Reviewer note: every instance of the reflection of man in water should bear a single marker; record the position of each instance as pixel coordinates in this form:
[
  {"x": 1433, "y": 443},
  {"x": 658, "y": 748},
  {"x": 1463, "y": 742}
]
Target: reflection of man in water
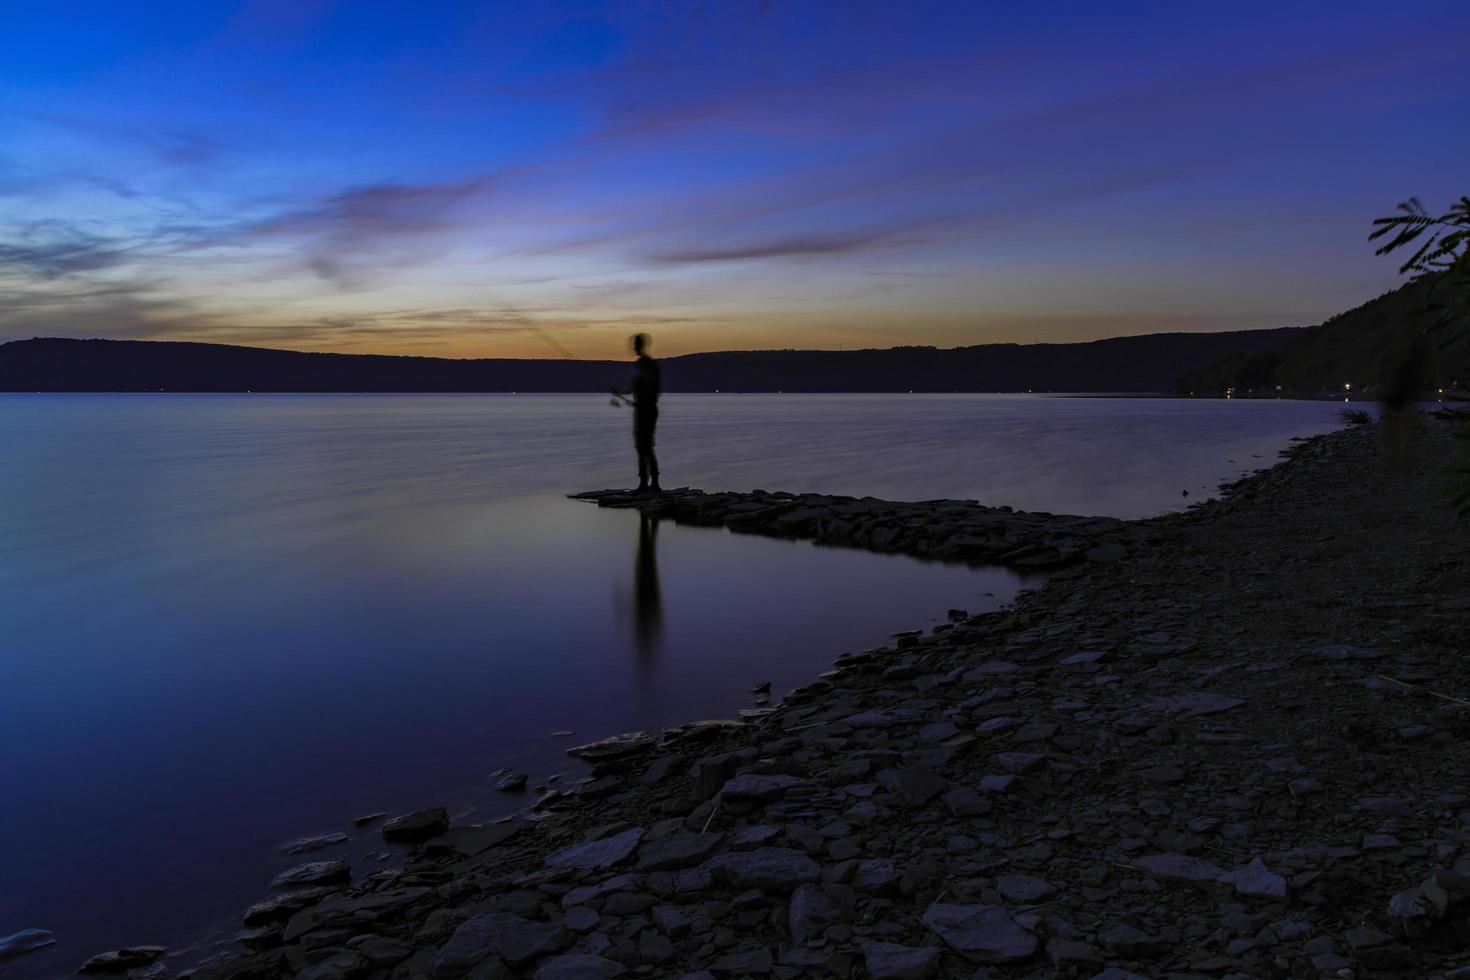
[
  {"x": 648, "y": 608},
  {"x": 645, "y": 391}
]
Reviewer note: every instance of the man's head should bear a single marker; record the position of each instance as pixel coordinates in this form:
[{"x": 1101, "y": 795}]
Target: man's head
[{"x": 640, "y": 344}]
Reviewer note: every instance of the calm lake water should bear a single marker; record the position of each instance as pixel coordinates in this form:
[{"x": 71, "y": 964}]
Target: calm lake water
[{"x": 231, "y": 620}]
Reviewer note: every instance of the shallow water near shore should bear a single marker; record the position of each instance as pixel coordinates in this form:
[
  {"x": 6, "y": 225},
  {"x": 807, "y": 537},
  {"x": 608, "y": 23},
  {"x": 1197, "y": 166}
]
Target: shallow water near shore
[{"x": 232, "y": 620}]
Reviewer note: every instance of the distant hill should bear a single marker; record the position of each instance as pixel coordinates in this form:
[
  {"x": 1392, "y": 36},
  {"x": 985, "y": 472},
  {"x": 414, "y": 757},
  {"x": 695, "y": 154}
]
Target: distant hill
[
  {"x": 1149, "y": 363},
  {"x": 1361, "y": 347}
]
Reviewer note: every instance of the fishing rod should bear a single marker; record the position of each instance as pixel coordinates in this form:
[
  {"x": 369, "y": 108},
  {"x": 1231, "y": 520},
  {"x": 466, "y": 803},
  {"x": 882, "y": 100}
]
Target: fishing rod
[{"x": 515, "y": 316}]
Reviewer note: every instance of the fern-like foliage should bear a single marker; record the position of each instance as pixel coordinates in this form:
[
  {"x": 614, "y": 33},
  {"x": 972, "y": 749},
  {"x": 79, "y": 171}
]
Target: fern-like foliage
[
  {"x": 1442, "y": 254},
  {"x": 1444, "y": 258}
]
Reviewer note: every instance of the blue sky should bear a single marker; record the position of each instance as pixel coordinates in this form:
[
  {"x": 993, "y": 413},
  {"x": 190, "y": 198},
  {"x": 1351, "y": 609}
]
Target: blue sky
[{"x": 429, "y": 178}]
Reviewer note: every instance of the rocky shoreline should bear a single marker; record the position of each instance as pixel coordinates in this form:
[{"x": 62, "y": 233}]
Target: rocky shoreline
[{"x": 1231, "y": 744}]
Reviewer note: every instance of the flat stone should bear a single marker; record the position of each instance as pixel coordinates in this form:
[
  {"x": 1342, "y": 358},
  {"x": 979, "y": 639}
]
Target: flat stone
[
  {"x": 1256, "y": 881},
  {"x": 965, "y": 802},
  {"x": 508, "y": 780},
  {"x": 614, "y": 746},
  {"x": 510, "y": 937},
  {"x": 767, "y": 868},
  {"x": 679, "y": 850},
  {"x": 24, "y": 942},
  {"x": 983, "y": 933},
  {"x": 916, "y": 786},
  {"x": 602, "y": 853},
  {"x": 890, "y": 961},
  {"x": 381, "y": 949},
  {"x": 1179, "y": 867},
  {"x": 1162, "y": 775},
  {"x": 417, "y": 826},
  {"x": 875, "y": 874},
  {"x": 1020, "y": 762},
  {"x": 759, "y": 787},
  {"x": 741, "y": 962},
  {"x": 314, "y": 873},
  {"x": 578, "y": 966},
  {"x": 303, "y": 845},
  {"x": 589, "y": 893},
  {"x": 1111, "y": 551},
  {"x": 1127, "y": 940},
  {"x": 122, "y": 960},
  {"x": 812, "y": 911},
  {"x": 1196, "y": 704},
  {"x": 1085, "y": 657},
  {"x": 1024, "y": 889},
  {"x": 998, "y": 783},
  {"x": 1067, "y": 954},
  {"x": 580, "y": 918},
  {"x": 340, "y": 966}
]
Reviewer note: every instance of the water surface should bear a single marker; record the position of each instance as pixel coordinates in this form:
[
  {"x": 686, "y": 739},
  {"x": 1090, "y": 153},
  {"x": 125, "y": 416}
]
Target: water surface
[{"x": 231, "y": 620}]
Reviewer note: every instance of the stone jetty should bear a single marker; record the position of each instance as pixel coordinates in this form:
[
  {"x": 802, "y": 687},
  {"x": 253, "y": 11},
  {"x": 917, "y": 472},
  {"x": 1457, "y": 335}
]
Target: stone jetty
[
  {"x": 1234, "y": 744},
  {"x": 950, "y": 530}
]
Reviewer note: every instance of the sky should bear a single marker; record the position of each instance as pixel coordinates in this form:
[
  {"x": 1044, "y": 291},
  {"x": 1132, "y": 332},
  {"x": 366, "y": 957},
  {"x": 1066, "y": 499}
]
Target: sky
[{"x": 469, "y": 179}]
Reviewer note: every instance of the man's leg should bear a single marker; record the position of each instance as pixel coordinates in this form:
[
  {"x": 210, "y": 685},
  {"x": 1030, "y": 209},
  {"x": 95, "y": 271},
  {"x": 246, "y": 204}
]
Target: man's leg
[{"x": 641, "y": 447}]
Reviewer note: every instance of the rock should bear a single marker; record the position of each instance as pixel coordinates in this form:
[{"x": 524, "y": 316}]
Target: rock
[
  {"x": 602, "y": 853},
  {"x": 589, "y": 893},
  {"x": 767, "y": 868},
  {"x": 508, "y": 780},
  {"x": 24, "y": 942},
  {"x": 510, "y": 937},
  {"x": 875, "y": 874},
  {"x": 740, "y": 962},
  {"x": 380, "y": 949},
  {"x": 758, "y": 787},
  {"x": 614, "y": 746},
  {"x": 314, "y": 873},
  {"x": 1162, "y": 775},
  {"x": 341, "y": 966},
  {"x": 417, "y": 826},
  {"x": 1112, "y": 551},
  {"x": 984, "y": 933},
  {"x": 581, "y": 919},
  {"x": 283, "y": 906},
  {"x": 303, "y": 845},
  {"x": 1196, "y": 704},
  {"x": 890, "y": 961},
  {"x": 1256, "y": 881},
  {"x": 965, "y": 802},
  {"x": 578, "y": 966},
  {"x": 1179, "y": 867},
  {"x": 1024, "y": 889},
  {"x": 1068, "y": 956},
  {"x": 1020, "y": 762},
  {"x": 122, "y": 960},
  {"x": 916, "y": 786},
  {"x": 812, "y": 911},
  {"x": 682, "y": 849},
  {"x": 1127, "y": 940},
  {"x": 996, "y": 783}
]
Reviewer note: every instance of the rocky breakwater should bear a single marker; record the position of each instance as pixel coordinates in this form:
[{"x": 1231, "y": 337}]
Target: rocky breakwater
[
  {"x": 1243, "y": 754},
  {"x": 952, "y": 530}
]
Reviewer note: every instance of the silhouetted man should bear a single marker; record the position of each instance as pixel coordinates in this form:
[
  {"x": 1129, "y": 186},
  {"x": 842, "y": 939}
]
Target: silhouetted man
[{"x": 645, "y": 390}]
